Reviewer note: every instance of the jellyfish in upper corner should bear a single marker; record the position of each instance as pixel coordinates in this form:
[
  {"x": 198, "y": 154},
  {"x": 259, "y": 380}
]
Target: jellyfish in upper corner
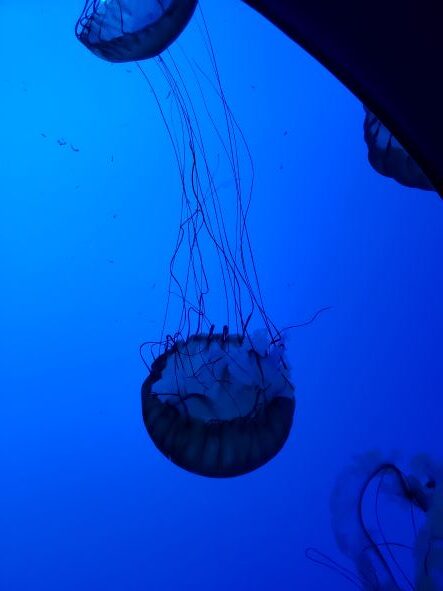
[
  {"x": 130, "y": 30},
  {"x": 388, "y": 521},
  {"x": 388, "y": 54},
  {"x": 218, "y": 400}
]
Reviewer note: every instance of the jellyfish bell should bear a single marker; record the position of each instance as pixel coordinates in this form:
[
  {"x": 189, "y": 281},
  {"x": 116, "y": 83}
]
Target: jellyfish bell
[
  {"x": 130, "y": 30},
  {"x": 388, "y": 157},
  {"x": 219, "y": 405}
]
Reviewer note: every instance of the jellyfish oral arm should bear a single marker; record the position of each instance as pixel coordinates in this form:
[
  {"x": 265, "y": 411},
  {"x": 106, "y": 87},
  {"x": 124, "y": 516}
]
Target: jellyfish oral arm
[{"x": 387, "y": 53}]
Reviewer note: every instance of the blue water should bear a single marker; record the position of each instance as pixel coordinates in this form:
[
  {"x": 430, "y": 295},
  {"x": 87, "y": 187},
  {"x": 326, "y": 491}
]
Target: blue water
[{"x": 86, "y": 233}]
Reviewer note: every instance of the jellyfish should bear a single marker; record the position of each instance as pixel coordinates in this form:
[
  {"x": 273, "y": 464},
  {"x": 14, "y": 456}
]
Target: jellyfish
[
  {"x": 388, "y": 520},
  {"x": 218, "y": 400},
  {"x": 130, "y": 30},
  {"x": 388, "y": 54},
  {"x": 219, "y": 405},
  {"x": 388, "y": 157}
]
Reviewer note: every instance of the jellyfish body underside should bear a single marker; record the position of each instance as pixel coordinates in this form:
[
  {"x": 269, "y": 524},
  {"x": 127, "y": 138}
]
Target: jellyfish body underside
[
  {"x": 127, "y": 31},
  {"x": 231, "y": 434}
]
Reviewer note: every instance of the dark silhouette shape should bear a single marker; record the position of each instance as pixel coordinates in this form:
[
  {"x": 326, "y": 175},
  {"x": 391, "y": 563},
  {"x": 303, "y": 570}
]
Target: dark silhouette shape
[
  {"x": 389, "y": 158},
  {"x": 216, "y": 406},
  {"x": 388, "y": 53}
]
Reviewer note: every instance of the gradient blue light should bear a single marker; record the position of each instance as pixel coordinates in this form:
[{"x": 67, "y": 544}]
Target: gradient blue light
[{"x": 88, "y": 215}]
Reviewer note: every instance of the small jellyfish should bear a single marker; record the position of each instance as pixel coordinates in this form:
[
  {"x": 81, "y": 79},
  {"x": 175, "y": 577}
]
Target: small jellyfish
[
  {"x": 388, "y": 157},
  {"x": 389, "y": 522}
]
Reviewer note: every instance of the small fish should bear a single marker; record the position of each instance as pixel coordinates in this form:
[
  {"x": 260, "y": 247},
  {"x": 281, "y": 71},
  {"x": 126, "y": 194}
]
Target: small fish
[
  {"x": 74, "y": 148},
  {"x": 61, "y": 142}
]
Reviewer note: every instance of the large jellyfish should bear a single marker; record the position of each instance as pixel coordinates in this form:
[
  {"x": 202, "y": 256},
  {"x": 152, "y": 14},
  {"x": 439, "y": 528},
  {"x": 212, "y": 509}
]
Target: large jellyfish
[
  {"x": 219, "y": 405},
  {"x": 389, "y": 55},
  {"x": 216, "y": 402},
  {"x": 389, "y": 521}
]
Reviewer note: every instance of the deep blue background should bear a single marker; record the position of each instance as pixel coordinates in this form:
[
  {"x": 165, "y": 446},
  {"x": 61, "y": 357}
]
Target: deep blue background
[{"x": 86, "y": 502}]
